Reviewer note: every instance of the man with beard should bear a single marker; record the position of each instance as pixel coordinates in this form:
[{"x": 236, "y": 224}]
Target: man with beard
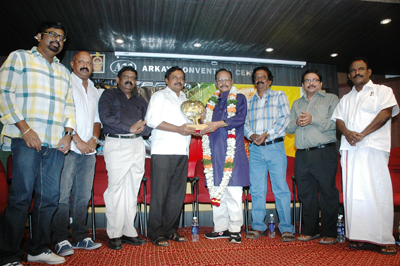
[
  {"x": 266, "y": 121},
  {"x": 363, "y": 116},
  {"x": 224, "y": 149},
  {"x": 170, "y": 142},
  {"x": 316, "y": 158},
  {"x": 78, "y": 171},
  {"x": 37, "y": 109},
  {"x": 122, "y": 114}
]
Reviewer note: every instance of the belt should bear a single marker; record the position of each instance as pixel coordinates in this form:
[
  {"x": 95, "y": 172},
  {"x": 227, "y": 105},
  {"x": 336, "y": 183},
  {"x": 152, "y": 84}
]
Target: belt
[
  {"x": 318, "y": 147},
  {"x": 272, "y": 141},
  {"x": 122, "y": 136}
]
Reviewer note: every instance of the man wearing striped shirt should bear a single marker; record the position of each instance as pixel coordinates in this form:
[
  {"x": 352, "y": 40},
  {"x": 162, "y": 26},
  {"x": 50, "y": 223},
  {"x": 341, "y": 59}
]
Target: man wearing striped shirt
[
  {"x": 37, "y": 110},
  {"x": 266, "y": 121}
]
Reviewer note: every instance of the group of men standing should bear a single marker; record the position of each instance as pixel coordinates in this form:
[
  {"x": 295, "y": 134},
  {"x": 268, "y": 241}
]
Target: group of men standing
[{"x": 52, "y": 125}]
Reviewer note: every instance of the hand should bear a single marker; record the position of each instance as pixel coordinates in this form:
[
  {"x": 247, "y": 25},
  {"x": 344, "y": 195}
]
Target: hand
[
  {"x": 32, "y": 140},
  {"x": 185, "y": 130},
  {"x": 92, "y": 144},
  {"x": 304, "y": 119},
  {"x": 353, "y": 137},
  {"x": 259, "y": 139},
  {"x": 84, "y": 147},
  {"x": 138, "y": 127},
  {"x": 212, "y": 126},
  {"x": 64, "y": 144}
]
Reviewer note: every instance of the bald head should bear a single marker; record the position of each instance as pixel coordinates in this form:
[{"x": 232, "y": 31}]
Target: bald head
[{"x": 82, "y": 65}]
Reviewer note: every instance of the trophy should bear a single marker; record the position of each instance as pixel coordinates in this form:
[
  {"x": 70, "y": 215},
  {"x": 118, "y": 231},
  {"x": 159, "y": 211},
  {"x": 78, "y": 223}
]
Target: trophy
[{"x": 193, "y": 109}]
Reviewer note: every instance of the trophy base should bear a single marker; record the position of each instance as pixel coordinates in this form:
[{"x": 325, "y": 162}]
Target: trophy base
[{"x": 198, "y": 128}]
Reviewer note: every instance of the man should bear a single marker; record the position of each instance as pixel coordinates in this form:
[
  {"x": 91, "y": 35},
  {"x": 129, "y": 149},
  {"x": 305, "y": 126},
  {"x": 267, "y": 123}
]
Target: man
[
  {"x": 170, "y": 142},
  {"x": 122, "y": 114},
  {"x": 78, "y": 171},
  {"x": 266, "y": 121},
  {"x": 316, "y": 158},
  {"x": 225, "y": 115},
  {"x": 37, "y": 111},
  {"x": 363, "y": 116}
]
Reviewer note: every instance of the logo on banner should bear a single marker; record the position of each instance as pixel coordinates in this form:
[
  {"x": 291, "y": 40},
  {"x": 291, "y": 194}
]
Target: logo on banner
[{"x": 116, "y": 66}]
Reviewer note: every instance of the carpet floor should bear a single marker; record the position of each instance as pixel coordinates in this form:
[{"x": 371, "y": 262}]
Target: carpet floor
[{"x": 262, "y": 251}]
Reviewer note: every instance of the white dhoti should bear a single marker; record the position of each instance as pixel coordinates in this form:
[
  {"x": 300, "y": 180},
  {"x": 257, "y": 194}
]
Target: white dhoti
[
  {"x": 125, "y": 166},
  {"x": 229, "y": 215},
  {"x": 367, "y": 196}
]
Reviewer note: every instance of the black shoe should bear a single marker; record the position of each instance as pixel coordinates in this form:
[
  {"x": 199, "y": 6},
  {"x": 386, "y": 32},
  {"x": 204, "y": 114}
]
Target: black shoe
[
  {"x": 235, "y": 238},
  {"x": 115, "y": 243},
  {"x": 216, "y": 235},
  {"x": 133, "y": 240}
]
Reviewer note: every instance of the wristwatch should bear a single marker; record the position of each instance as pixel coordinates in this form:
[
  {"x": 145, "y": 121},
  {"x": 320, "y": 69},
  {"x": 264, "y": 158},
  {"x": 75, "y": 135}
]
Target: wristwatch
[
  {"x": 225, "y": 124},
  {"x": 69, "y": 133},
  {"x": 96, "y": 139}
]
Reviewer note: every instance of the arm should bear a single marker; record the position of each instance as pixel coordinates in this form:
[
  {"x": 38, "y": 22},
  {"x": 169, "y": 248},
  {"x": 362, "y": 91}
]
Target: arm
[
  {"x": 291, "y": 128},
  {"x": 90, "y": 145},
  {"x": 324, "y": 123},
  {"x": 351, "y": 136},
  {"x": 183, "y": 129},
  {"x": 379, "y": 121}
]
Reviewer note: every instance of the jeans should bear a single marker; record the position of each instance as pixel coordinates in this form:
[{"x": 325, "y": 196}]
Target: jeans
[
  {"x": 272, "y": 159},
  {"x": 37, "y": 172},
  {"x": 76, "y": 183}
]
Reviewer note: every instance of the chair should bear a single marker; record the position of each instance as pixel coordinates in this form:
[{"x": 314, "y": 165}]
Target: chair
[
  {"x": 189, "y": 197},
  {"x": 3, "y": 189},
  {"x": 100, "y": 185},
  {"x": 270, "y": 198},
  {"x": 202, "y": 194}
]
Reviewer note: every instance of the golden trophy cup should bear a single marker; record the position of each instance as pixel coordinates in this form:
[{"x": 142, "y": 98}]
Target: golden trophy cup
[{"x": 193, "y": 109}]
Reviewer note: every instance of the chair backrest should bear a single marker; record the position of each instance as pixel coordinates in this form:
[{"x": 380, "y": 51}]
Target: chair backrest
[
  {"x": 3, "y": 189},
  {"x": 195, "y": 153},
  {"x": 100, "y": 182}
]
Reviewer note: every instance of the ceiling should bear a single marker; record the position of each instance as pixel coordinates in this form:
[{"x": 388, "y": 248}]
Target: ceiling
[{"x": 306, "y": 30}]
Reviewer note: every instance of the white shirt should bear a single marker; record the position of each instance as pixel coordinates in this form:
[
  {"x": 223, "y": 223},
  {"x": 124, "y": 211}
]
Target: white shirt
[
  {"x": 165, "y": 106},
  {"x": 86, "y": 109},
  {"x": 358, "y": 109}
]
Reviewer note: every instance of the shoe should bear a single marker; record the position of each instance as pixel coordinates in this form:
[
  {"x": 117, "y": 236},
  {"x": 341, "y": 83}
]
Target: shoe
[
  {"x": 133, "y": 240},
  {"x": 87, "y": 244},
  {"x": 235, "y": 238},
  {"x": 115, "y": 243},
  {"x": 217, "y": 235},
  {"x": 15, "y": 263},
  {"x": 64, "y": 248},
  {"x": 46, "y": 257}
]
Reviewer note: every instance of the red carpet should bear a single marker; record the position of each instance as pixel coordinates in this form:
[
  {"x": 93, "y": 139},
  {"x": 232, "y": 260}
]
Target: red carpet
[{"x": 262, "y": 251}]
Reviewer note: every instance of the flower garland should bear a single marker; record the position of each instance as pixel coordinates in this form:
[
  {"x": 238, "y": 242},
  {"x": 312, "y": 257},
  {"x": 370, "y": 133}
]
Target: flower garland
[{"x": 217, "y": 193}]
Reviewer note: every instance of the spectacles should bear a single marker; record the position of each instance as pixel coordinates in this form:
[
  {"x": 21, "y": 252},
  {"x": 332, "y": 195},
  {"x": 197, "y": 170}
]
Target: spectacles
[
  {"x": 311, "y": 80},
  {"x": 55, "y": 35},
  {"x": 176, "y": 78},
  {"x": 262, "y": 77},
  {"x": 224, "y": 80}
]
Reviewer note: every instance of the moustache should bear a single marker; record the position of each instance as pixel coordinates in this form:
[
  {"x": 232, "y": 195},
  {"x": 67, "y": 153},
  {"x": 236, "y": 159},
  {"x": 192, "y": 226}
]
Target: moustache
[
  {"x": 128, "y": 82},
  {"x": 260, "y": 82},
  {"x": 310, "y": 86},
  {"x": 55, "y": 42},
  {"x": 358, "y": 75},
  {"x": 84, "y": 68},
  {"x": 178, "y": 83}
]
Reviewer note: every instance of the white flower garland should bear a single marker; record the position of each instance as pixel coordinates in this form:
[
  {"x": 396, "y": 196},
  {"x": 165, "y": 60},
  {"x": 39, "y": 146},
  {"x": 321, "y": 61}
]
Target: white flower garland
[{"x": 217, "y": 193}]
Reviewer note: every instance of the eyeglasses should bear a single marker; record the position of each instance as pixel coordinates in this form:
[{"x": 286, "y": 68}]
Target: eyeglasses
[
  {"x": 224, "y": 80},
  {"x": 262, "y": 77},
  {"x": 311, "y": 80},
  {"x": 55, "y": 35},
  {"x": 178, "y": 77}
]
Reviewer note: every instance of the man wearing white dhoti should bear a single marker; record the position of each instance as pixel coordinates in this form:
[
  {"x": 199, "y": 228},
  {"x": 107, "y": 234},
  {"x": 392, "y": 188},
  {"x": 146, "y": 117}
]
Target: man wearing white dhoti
[
  {"x": 363, "y": 116},
  {"x": 122, "y": 114}
]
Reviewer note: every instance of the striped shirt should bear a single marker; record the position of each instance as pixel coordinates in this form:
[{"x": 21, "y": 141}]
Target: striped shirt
[
  {"x": 38, "y": 92},
  {"x": 272, "y": 111}
]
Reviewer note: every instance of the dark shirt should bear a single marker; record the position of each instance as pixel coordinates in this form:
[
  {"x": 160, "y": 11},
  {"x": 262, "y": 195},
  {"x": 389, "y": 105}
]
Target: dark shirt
[
  {"x": 241, "y": 174},
  {"x": 118, "y": 113}
]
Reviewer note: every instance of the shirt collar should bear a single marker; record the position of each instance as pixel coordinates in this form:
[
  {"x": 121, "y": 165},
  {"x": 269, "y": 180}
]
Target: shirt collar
[
  {"x": 265, "y": 95},
  {"x": 171, "y": 91},
  {"x": 35, "y": 53}
]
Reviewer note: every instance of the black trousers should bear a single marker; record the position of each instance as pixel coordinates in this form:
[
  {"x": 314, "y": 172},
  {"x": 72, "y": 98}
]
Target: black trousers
[
  {"x": 168, "y": 189},
  {"x": 315, "y": 173}
]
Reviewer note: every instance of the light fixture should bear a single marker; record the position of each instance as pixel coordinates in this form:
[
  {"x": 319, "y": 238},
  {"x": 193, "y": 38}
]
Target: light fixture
[
  {"x": 120, "y": 41},
  {"x": 386, "y": 21},
  {"x": 212, "y": 58},
  {"x": 197, "y": 44},
  {"x": 269, "y": 50},
  {"x": 334, "y": 55}
]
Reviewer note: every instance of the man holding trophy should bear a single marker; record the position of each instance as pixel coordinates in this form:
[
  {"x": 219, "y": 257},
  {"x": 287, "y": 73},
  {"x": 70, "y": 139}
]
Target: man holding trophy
[{"x": 226, "y": 166}]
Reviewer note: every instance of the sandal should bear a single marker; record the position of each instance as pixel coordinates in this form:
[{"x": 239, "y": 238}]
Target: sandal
[
  {"x": 160, "y": 242},
  {"x": 306, "y": 238},
  {"x": 176, "y": 237},
  {"x": 361, "y": 245},
  {"x": 388, "y": 250},
  {"x": 328, "y": 240},
  {"x": 288, "y": 237},
  {"x": 255, "y": 234}
]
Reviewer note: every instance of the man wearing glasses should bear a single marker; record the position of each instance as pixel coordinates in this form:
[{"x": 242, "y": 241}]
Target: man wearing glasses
[
  {"x": 122, "y": 114},
  {"x": 316, "y": 158},
  {"x": 266, "y": 121},
  {"x": 37, "y": 111}
]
